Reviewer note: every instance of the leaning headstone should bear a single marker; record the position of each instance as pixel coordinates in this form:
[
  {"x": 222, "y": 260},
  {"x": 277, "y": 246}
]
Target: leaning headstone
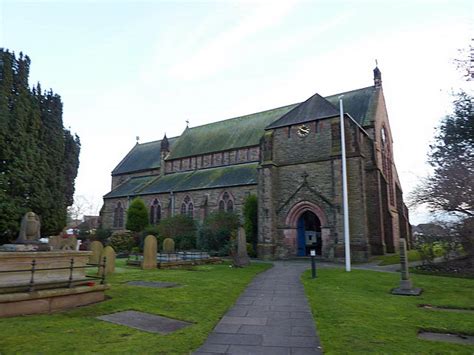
[
  {"x": 406, "y": 287},
  {"x": 109, "y": 254},
  {"x": 149, "y": 252},
  {"x": 96, "y": 248}
]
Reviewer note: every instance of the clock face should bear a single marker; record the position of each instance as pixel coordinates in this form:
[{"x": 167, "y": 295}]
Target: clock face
[{"x": 303, "y": 130}]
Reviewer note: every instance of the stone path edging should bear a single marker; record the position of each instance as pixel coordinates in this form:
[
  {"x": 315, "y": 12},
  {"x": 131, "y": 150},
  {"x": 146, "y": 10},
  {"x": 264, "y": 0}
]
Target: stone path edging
[{"x": 272, "y": 316}]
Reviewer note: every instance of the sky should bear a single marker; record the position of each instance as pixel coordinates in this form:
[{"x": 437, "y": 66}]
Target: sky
[{"x": 128, "y": 69}]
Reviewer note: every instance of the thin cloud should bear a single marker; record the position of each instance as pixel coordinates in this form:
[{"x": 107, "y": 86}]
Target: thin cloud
[{"x": 225, "y": 49}]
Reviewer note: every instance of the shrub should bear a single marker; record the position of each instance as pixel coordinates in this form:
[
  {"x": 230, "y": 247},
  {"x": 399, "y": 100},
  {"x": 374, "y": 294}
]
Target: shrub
[
  {"x": 102, "y": 235},
  {"x": 182, "y": 229},
  {"x": 216, "y": 232},
  {"x": 122, "y": 242},
  {"x": 137, "y": 215}
]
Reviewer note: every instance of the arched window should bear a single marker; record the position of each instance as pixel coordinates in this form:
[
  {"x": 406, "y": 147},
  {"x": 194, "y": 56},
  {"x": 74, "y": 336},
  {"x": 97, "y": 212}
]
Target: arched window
[
  {"x": 226, "y": 203},
  {"x": 221, "y": 206},
  {"x": 155, "y": 212},
  {"x": 118, "y": 215},
  {"x": 187, "y": 207}
]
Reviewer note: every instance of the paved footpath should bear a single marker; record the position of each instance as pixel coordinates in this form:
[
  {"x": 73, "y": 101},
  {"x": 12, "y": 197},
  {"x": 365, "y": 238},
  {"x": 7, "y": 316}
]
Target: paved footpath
[{"x": 272, "y": 316}]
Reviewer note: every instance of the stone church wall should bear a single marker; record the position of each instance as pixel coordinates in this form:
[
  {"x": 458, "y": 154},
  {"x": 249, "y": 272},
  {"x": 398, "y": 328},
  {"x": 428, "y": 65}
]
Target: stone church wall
[{"x": 204, "y": 202}]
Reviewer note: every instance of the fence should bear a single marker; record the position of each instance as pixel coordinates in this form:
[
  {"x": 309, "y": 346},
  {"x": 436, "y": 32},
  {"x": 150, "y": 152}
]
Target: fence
[{"x": 70, "y": 282}]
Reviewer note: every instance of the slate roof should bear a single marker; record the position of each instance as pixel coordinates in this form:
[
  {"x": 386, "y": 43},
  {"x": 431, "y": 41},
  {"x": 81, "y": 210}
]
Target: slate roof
[
  {"x": 316, "y": 107},
  {"x": 233, "y": 133},
  {"x": 360, "y": 104},
  {"x": 233, "y": 175},
  {"x": 142, "y": 157},
  {"x": 247, "y": 130}
]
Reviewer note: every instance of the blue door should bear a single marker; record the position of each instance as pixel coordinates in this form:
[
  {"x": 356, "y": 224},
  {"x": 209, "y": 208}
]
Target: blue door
[{"x": 301, "y": 238}]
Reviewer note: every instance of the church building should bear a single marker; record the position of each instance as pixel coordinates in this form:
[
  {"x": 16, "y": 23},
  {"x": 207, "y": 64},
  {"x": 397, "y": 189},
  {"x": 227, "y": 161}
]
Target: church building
[{"x": 290, "y": 157}]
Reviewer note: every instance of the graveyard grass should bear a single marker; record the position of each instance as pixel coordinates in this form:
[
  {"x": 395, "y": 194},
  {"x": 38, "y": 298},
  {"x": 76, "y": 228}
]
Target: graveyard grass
[
  {"x": 355, "y": 312},
  {"x": 206, "y": 293},
  {"x": 391, "y": 259}
]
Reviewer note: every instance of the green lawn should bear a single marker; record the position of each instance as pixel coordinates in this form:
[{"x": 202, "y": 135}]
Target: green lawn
[
  {"x": 391, "y": 259},
  {"x": 206, "y": 294},
  {"x": 355, "y": 313}
]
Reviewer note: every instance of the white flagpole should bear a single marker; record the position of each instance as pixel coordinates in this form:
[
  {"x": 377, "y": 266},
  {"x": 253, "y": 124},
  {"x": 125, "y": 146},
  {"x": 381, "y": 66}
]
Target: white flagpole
[{"x": 347, "y": 244}]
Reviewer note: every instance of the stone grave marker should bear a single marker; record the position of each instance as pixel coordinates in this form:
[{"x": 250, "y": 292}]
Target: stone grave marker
[
  {"x": 96, "y": 248},
  {"x": 145, "y": 321},
  {"x": 150, "y": 250},
  {"x": 406, "y": 287},
  {"x": 109, "y": 254},
  {"x": 153, "y": 284},
  {"x": 240, "y": 256}
]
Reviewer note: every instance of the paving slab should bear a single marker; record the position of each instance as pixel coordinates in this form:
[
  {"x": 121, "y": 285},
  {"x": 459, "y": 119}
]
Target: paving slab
[
  {"x": 272, "y": 316},
  {"x": 145, "y": 321},
  {"x": 153, "y": 284}
]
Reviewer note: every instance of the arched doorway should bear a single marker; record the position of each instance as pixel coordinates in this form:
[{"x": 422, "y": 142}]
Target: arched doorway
[{"x": 309, "y": 234}]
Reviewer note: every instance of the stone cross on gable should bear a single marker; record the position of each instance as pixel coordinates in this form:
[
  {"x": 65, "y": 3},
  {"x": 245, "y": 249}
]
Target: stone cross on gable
[{"x": 304, "y": 176}]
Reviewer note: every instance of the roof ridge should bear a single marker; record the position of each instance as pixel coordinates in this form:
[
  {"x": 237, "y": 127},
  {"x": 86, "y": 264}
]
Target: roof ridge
[
  {"x": 157, "y": 140},
  {"x": 249, "y": 114},
  {"x": 346, "y": 92}
]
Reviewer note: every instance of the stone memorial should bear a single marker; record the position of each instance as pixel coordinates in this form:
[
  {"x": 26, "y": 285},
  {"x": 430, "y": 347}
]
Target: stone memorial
[
  {"x": 168, "y": 246},
  {"x": 59, "y": 242},
  {"x": 109, "y": 254},
  {"x": 96, "y": 248},
  {"x": 240, "y": 256},
  {"x": 150, "y": 250},
  {"x": 35, "y": 279},
  {"x": 29, "y": 236},
  {"x": 406, "y": 287}
]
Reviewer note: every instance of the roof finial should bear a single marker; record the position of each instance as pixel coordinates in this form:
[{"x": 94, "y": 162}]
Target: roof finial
[
  {"x": 137, "y": 138},
  {"x": 377, "y": 75},
  {"x": 187, "y": 123},
  {"x": 165, "y": 145}
]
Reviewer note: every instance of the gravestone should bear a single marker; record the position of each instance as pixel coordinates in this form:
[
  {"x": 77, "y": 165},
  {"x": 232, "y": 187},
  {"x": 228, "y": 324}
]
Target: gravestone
[
  {"x": 168, "y": 246},
  {"x": 109, "y": 254},
  {"x": 96, "y": 248},
  {"x": 406, "y": 287},
  {"x": 145, "y": 321},
  {"x": 240, "y": 256},
  {"x": 150, "y": 250}
]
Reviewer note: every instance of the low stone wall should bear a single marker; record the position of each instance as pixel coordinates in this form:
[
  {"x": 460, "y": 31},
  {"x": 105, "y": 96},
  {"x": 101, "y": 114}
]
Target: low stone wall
[
  {"x": 45, "y": 259},
  {"x": 47, "y": 301}
]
